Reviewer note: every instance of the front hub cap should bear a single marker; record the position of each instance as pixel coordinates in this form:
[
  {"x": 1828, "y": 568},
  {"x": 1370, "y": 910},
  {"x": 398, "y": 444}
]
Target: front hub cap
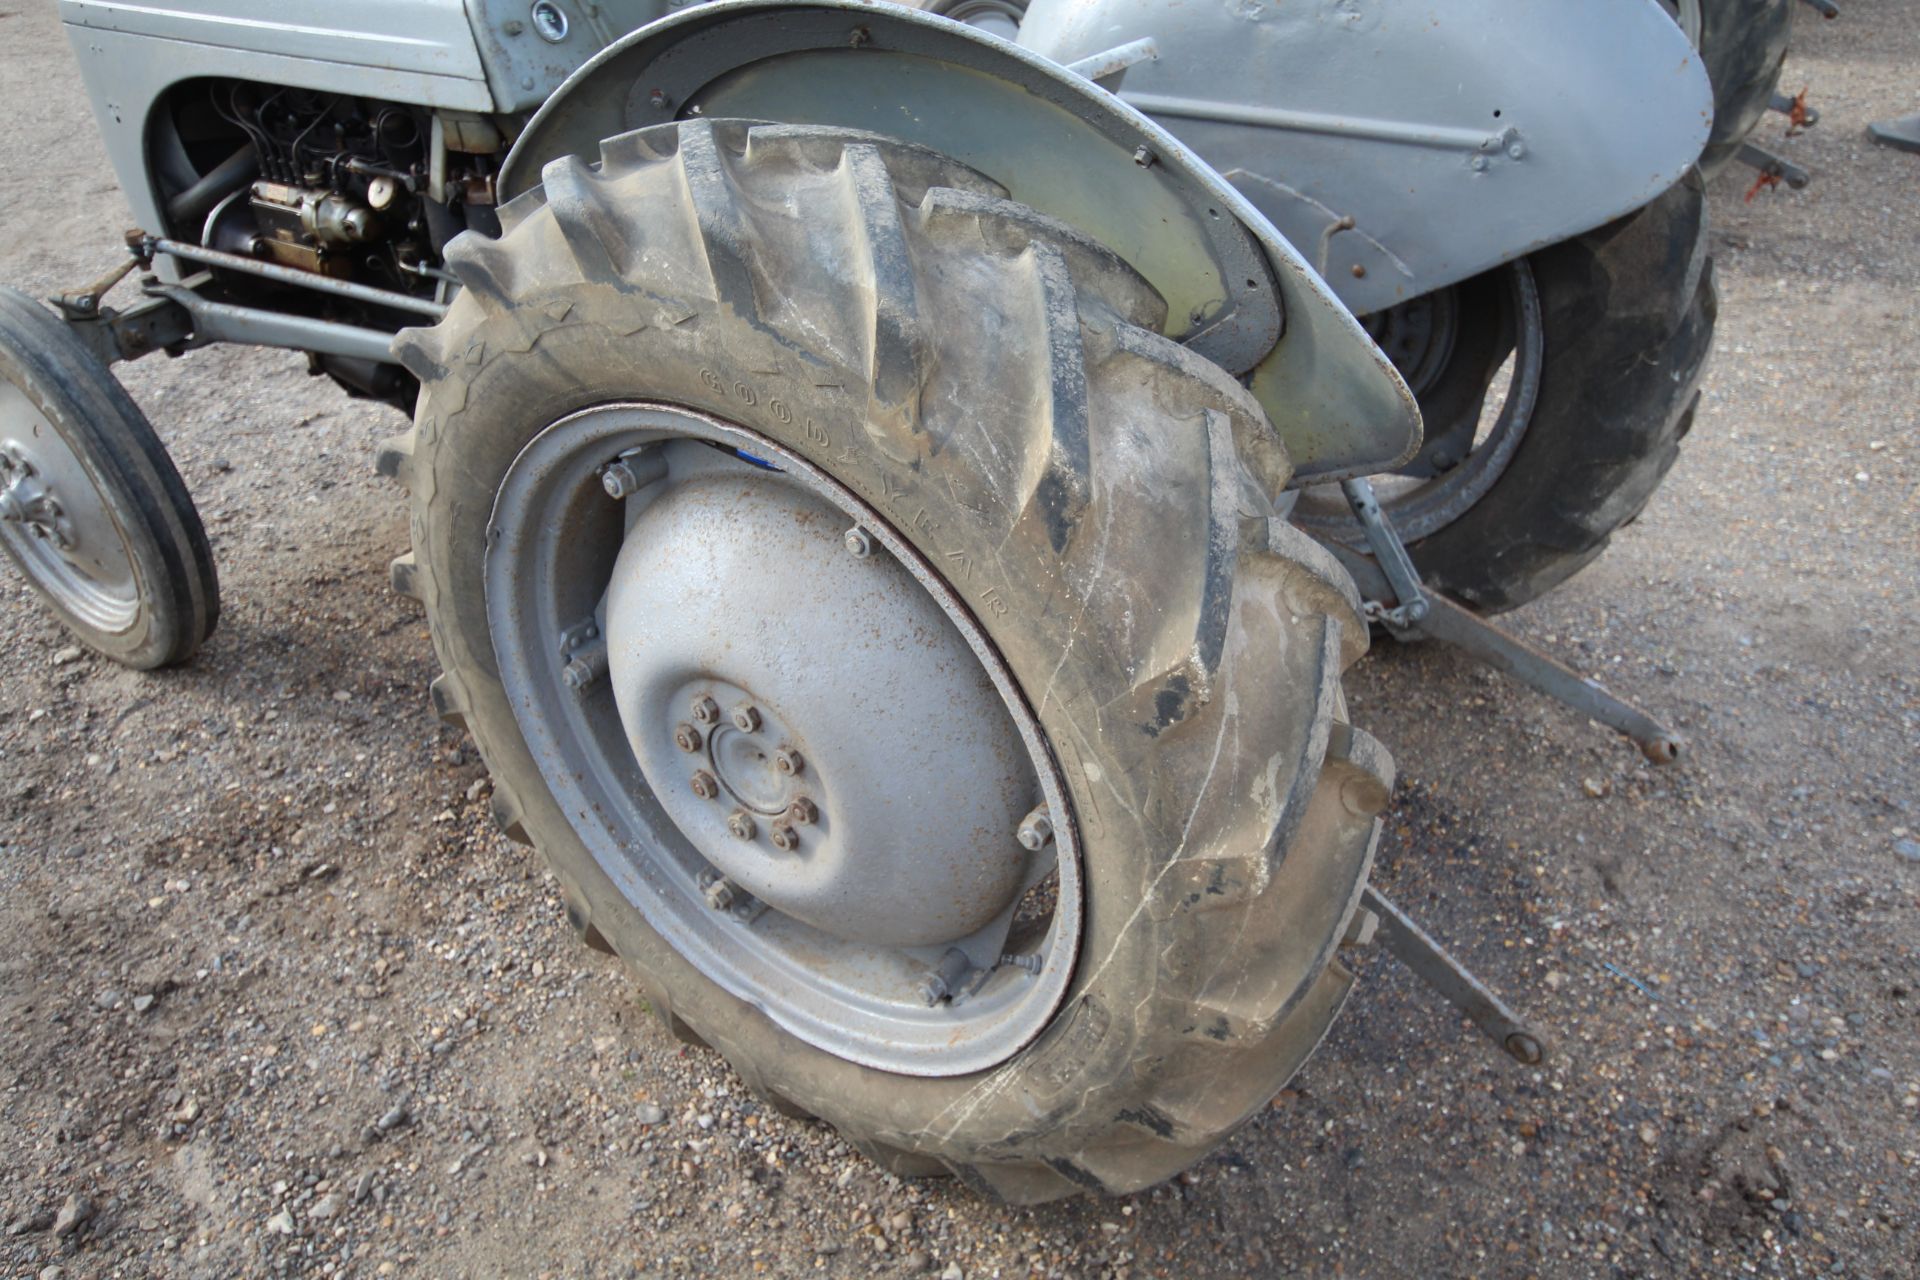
[
  {"x": 54, "y": 521},
  {"x": 806, "y": 767}
]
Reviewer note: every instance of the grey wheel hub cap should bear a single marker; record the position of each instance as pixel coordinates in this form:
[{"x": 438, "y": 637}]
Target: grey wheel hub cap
[
  {"x": 782, "y": 738},
  {"x": 739, "y": 624}
]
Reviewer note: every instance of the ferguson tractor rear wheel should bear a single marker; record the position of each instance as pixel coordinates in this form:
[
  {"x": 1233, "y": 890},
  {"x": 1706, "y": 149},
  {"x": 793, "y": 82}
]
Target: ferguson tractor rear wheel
[
  {"x": 887, "y": 638},
  {"x": 1555, "y": 392},
  {"x": 1742, "y": 44}
]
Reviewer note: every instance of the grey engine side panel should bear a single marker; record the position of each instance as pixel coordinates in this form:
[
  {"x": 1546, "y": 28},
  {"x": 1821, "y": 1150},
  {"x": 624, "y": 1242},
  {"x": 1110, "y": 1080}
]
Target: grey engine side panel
[
  {"x": 1454, "y": 136},
  {"x": 416, "y": 51},
  {"x": 527, "y": 59}
]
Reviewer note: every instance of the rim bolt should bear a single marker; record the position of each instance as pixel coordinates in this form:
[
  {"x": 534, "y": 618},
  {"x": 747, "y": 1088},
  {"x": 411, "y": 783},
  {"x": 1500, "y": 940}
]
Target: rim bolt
[
  {"x": 618, "y": 480},
  {"x": 686, "y": 737},
  {"x": 586, "y": 665},
  {"x": 746, "y": 719},
  {"x": 802, "y": 812},
  {"x": 704, "y": 786},
  {"x": 740, "y": 822},
  {"x": 788, "y": 761},
  {"x": 785, "y": 838},
  {"x": 1036, "y": 829},
  {"x": 705, "y": 709},
  {"x": 859, "y": 543},
  {"x": 721, "y": 893}
]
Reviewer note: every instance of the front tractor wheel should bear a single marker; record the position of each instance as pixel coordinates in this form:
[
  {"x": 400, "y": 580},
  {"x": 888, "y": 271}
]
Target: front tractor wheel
[{"x": 887, "y": 637}]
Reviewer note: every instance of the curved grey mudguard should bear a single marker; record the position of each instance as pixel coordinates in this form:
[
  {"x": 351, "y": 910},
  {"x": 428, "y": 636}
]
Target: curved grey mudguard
[
  {"x": 1408, "y": 146},
  {"x": 1238, "y": 293}
]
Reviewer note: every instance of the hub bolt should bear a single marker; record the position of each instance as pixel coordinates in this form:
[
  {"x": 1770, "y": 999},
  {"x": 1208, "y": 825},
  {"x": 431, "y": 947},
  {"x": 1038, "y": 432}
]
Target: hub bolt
[
  {"x": 704, "y": 786},
  {"x": 721, "y": 893},
  {"x": 1036, "y": 829},
  {"x": 740, "y": 822},
  {"x": 686, "y": 737},
  {"x": 618, "y": 480},
  {"x": 705, "y": 709},
  {"x": 746, "y": 719},
  {"x": 788, "y": 761},
  {"x": 785, "y": 838},
  {"x": 859, "y": 543},
  {"x": 802, "y": 812}
]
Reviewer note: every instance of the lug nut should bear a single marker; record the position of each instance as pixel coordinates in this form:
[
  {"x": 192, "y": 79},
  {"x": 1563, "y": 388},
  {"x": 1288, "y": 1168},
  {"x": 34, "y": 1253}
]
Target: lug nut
[
  {"x": 859, "y": 543},
  {"x": 1035, "y": 830},
  {"x": 618, "y": 480},
  {"x": 788, "y": 761},
  {"x": 746, "y": 719},
  {"x": 705, "y": 709},
  {"x": 686, "y": 737},
  {"x": 704, "y": 786},
  {"x": 740, "y": 822},
  {"x": 803, "y": 812},
  {"x": 785, "y": 838}
]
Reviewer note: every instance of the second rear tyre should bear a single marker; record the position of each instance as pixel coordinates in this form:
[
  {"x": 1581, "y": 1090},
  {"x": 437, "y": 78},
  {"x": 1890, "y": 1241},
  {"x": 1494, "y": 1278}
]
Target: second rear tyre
[{"x": 1564, "y": 391}]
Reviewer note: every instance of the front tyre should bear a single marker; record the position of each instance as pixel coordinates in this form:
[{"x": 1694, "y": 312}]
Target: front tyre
[
  {"x": 887, "y": 638},
  {"x": 92, "y": 511}
]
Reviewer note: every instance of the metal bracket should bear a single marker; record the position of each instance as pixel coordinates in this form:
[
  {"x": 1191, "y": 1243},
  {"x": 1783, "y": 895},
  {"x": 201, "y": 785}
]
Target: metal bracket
[
  {"x": 1429, "y": 961},
  {"x": 1418, "y": 614},
  {"x": 84, "y": 303},
  {"x": 1109, "y": 67},
  {"x": 1391, "y": 553}
]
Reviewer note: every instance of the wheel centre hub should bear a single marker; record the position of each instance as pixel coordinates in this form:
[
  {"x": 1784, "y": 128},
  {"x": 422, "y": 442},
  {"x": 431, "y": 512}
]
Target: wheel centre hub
[
  {"x": 808, "y": 717},
  {"x": 26, "y": 500}
]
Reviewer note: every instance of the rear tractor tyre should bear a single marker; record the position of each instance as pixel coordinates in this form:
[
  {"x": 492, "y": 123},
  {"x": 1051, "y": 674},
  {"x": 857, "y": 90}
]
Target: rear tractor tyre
[
  {"x": 1556, "y": 391},
  {"x": 887, "y": 637},
  {"x": 1743, "y": 45}
]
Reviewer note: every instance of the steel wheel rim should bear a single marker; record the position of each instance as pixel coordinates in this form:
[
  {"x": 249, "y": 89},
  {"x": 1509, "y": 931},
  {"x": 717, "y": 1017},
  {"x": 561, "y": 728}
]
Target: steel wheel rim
[
  {"x": 1418, "y": 502},
  {"x": 553, "y": 562},
  {"x": 56, "y": 523}
]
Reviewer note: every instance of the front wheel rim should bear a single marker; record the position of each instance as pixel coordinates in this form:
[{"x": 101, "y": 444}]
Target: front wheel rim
[{"x": 685, "y": 818}]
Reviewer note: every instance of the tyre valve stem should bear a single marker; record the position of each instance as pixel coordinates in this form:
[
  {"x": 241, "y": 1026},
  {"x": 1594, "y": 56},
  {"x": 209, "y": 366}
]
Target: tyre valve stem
[{"x": 946, "y": 980}]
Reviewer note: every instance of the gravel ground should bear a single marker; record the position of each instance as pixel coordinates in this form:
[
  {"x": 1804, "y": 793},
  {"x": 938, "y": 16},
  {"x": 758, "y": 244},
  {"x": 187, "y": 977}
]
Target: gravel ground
[{"x": 277, "y": 1000}]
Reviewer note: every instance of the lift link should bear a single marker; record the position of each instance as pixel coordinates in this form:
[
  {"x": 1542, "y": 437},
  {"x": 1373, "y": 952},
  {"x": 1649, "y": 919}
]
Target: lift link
[
  {"x": 1430, "y": 963},
  {"x": 1418, "y": 614}
]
